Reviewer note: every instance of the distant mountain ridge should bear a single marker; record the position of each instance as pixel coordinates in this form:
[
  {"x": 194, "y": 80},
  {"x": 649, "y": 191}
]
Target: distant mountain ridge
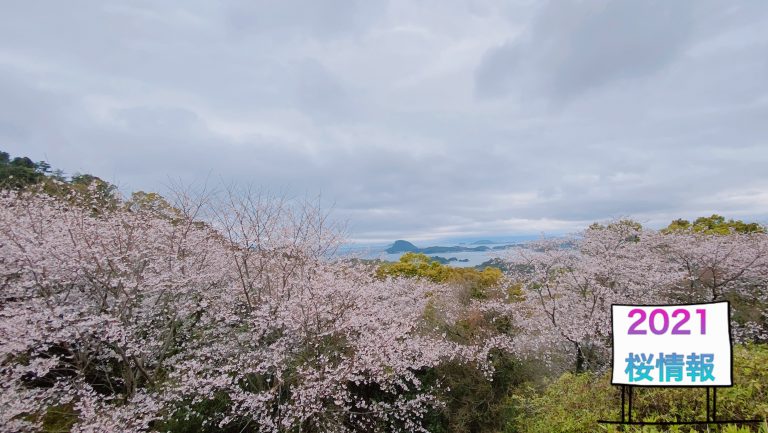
[
  {"x": 483, "y": 242},
  {"x": 403, "y": 246}
]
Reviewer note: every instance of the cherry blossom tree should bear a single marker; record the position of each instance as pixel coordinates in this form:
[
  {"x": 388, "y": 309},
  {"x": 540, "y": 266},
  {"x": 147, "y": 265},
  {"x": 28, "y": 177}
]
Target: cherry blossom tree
[
  {"x": 145, "y": 313},
  {"x": 569, "y": 284},
  {"x": 93, "y": 305},
  {"x": 731, "y": 267},
  {"x": 229, "y": 310}
]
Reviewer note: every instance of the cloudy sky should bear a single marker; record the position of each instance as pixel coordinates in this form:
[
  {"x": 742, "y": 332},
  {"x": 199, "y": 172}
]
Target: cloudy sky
[{"x": 419, "y": 119}]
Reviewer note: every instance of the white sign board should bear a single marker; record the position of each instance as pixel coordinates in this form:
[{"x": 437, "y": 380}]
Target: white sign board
[{"x": 672, "y": 345}]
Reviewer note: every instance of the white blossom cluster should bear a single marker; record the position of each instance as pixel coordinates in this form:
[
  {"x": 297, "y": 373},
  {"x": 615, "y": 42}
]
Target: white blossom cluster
[
  {"x": 570, "y": 284},
  {"x": 135, "y": 315}
]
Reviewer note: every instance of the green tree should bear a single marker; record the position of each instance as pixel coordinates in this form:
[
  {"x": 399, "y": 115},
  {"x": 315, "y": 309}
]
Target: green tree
[
  {"x": 474, "y": 283},
  {"x": 153, "y": 203},
  {"x": 94, "y": 192},
  {"x": 415, "y": 265},
  {"x": 713, "y": 225},
  {"x": 20, "y": 171}
]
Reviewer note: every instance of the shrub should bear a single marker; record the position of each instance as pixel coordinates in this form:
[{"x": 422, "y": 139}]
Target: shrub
[{"x": 574, "y": 402}]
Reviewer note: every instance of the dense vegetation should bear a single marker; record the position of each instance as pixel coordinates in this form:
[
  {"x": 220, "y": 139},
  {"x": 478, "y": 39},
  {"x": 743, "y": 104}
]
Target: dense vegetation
[
  {"x": 471, "y": 283},
  {"x": 20, "y": 171},
  {"x": 574, "y": 402},
  {"x": 204, "y": 312}
]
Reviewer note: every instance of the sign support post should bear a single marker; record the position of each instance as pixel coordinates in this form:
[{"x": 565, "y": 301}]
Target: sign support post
[{"x": 622, "y": 403}]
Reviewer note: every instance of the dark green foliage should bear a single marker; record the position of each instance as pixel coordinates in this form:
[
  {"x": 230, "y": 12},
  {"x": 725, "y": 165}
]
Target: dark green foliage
[
  {"x": 20, "y": 172},
  {"x": 474, "y": 283},
  {"x": 59, "y": 418},
  {"x": 84, "y": 189},
  {"x": 715, "y": 224},
  {"x": 494, "y": 262},
  {"x": 190, "y": 418},
  {"x": 474, "y": 404}
]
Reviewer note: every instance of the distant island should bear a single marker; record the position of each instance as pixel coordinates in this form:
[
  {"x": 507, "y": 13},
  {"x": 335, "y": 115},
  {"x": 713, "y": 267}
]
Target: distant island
[
  {"x": 445, "y": 261},
  {"x": 402, "y": 246}
]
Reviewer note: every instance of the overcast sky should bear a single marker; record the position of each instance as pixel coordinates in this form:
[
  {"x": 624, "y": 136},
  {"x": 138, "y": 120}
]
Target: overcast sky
[{"x": 419, "y": 119}]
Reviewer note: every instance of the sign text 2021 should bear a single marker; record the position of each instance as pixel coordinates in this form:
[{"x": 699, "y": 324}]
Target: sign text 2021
[{"x": 680, "y": 317}]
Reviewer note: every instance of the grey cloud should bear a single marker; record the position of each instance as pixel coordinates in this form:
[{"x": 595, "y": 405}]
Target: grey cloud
[
  {"x": 320, "y": 93},
  {"x": 331, "y": 18},
  {"x": 573, "y": 47},
  {"x": 415, "y": 118}
]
